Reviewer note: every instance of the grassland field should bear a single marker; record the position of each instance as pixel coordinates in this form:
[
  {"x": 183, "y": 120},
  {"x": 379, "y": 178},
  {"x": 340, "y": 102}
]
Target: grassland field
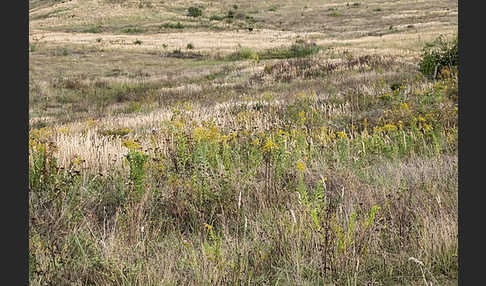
[{"x": 258, "y": 143}]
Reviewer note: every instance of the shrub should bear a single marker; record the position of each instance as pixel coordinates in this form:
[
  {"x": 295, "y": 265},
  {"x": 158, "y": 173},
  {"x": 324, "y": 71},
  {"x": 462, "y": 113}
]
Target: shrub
[
  {"x": 177, "y": 25},
  {"x": 194, "y": 12},
  {"x": 216, "y": 18},
  {"x": 132, "y": 30},
  {"x": 439, "y": 54},
  {"x": 243, "y": 53},
  {"x": 93, "y": 30},
  {"x": 334, "y": 14},
  {"x": 190, "y": 46}
]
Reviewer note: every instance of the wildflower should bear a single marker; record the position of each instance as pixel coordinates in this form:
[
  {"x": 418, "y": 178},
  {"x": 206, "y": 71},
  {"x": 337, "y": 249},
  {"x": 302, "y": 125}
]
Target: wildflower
[
  {"x": 428, "y": 127},
  {"x": 208, "y": 226},
  {"x": 300, "y": 166},
  {"x": 178, "y": 124},
  {"x": 422, "y": 119},
  {"x": 131, "y": 144},
  {"x": 225, "y": 138},
  {"x": 377, "y": 130},
  {"x": 302, "y": 116},
  {"x": 404, "y": 107},
  {"x": 400, "y": 124},
  {"x": 386, "y": 96},
  {"x": 342, "y": 134},
  {"x": 200, "y": 133},
  {"x": 76, "y": 161},
  {"x": 389, "y": 127},
  {"x": 332, "y": 135},
  {"x": 269, "y": 145}
]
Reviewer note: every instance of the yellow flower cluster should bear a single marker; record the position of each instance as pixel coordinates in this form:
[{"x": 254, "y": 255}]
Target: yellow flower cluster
[
  {"x": 177, "y": 124},
  {"x": 342, "y": 134},
  {"x": 269, "y": 145},
  {"x": 389, "y": 127},
  {"x": 208, "y": 226},
  {"x": 300, "y": 166},
  {"x": 131, "y": 144},
  {"x": 302, "y": 116},
  {"x": 206, "y": 134}
]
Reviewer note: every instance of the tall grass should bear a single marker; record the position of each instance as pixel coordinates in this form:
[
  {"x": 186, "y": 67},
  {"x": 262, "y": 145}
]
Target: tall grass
[{"x": 312, "y": 197}]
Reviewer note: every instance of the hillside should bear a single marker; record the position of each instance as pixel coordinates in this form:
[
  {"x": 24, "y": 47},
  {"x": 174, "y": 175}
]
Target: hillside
[{"x": 260, "y": 142}]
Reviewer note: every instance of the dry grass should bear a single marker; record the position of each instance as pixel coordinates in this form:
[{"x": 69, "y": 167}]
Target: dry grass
[{"x": 159, "y": 167}]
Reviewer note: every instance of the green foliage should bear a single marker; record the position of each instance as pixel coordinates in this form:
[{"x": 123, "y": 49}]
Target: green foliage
[
  {"x": 171, "y": 25},
  {"x": 297, "y": 50},
  {"x": 132, "y": 30},
  {"x": 93, "y": 30},
  {"x": 439, "y": 54},
  {"x": 217, "y": 18},
  {"x": 335, "y": 14},
  {"x": 136, "y": 161},
  {"x": 243, "y": 53},
  {"x": 194, "y": 11}
]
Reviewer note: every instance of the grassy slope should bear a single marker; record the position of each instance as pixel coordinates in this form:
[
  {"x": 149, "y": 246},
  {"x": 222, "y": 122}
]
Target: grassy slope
[{"x": 235, "y": 161}]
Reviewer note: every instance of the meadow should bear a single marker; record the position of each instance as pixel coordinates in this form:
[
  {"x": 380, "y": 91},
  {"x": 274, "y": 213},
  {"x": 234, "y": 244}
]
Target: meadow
[{"x": 243, "y": 143}]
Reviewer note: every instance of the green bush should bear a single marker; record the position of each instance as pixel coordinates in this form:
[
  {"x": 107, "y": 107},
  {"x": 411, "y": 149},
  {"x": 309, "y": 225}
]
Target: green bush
[
  {"x": 439, "y": 54},
  {"x": 216, "y": 18},
  {"x": 177, "y": 25},
  {"x": 194, "y": 12}
]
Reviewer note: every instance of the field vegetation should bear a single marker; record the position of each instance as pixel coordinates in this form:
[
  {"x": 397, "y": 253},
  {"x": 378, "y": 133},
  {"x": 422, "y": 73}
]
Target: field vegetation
[{"x": 250, "y": 143}]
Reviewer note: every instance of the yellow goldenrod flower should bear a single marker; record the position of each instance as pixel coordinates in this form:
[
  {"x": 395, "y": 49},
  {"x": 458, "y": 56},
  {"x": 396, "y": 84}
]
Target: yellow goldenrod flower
[
  {"x": 342, "y": 134},
  {"x": 332, "y": 135},
  {"x": 208, "y": 226},
  {"x": 178, "y": 124},
  {"x": 389, "y": 127},
  {"x": 404, "y": 106},
  {"x": 269, "y": 145},
  {"x": 302, "y": 116},
  {"x": 300, "y": 166},
  {"x": 428, "y": 127},
  {"x": 130, "y": 144}
]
